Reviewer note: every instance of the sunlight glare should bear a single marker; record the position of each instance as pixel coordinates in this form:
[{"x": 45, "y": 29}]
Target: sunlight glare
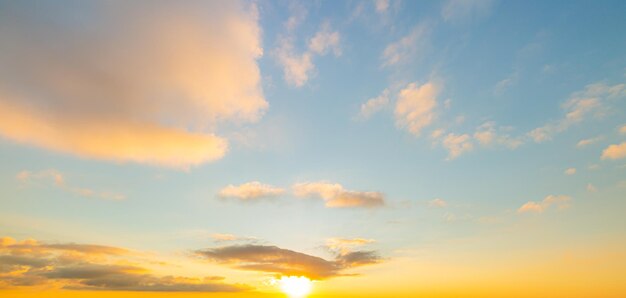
[{"x": 294, "y": 286}]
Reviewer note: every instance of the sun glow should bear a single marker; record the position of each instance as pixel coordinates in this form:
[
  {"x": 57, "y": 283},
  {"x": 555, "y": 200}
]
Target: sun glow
[{"x": 294, "y": 286}]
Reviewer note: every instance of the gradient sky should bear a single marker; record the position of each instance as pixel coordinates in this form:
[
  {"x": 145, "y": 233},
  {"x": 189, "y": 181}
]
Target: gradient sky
[{"x": 472, "y": 148}]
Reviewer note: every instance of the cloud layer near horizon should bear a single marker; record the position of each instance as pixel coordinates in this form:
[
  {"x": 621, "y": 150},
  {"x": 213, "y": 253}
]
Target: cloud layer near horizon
[
  {"x": 276, "y": 260},
  {"x": 125, "y": 83},
  {"x": 30, "y": 263}
]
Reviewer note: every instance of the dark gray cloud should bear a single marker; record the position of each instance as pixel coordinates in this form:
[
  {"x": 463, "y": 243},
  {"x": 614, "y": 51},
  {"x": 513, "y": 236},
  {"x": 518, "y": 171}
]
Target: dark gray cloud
[{"x": 273, "y": 259}]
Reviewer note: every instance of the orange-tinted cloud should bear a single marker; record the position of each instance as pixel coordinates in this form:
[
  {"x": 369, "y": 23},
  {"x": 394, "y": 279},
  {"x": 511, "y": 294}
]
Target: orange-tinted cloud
[
  {"x": 132, "y": 84},
  {"x": 272, "y": 259},
  {"x": 336, "y": 196},
  {"x": 73, "y": 266}
]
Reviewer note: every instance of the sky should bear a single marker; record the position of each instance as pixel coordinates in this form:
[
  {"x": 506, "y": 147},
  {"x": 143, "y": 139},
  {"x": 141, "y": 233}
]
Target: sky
[{"x": 457, "y": 148}]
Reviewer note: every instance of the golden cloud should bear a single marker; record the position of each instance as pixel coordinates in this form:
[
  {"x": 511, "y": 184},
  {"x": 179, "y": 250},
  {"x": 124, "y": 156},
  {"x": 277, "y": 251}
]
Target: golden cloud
[{"x": 136, "y": 83}]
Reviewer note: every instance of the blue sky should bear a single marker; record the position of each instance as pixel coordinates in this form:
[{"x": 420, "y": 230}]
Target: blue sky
[{"x": 513, "y": 102}]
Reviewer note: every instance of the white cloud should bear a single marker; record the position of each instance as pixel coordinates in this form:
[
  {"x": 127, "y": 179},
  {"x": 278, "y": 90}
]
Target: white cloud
[
  {"x": 151, "y": 90},
  {"x": 335, "y": 196},
  {"x": 505, "y": 84},
  {"x": 570, "y": 171},
  {"x": 58, "y": 180},
  {"x": 296, "y": 67},
  {"x": 457, "y": 145},
  {"x": 373, "y": 105},
  {"x": 251, "y": 191},
  {"x": 617, "y": 151},
  {"x": 560, "y": 201},
  {"x": 415, "y": 107},
  {"x": 456, "y": 11},
  {"x": 403, "y": 50},
  {"x": 438, "y": 203}
]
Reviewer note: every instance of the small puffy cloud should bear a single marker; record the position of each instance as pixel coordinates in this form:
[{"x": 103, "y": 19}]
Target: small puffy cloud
[
  {"x": 373, "y": 105},
  {"x": 381, "y": 5},
  {"x": 89, "y": 267},
  {"x": 324, "y": 40},
  {"x": 622, "y": 129},
  {"x": 593, "y": 100},
  {"x": 56, "y": 179},
  {"x": 132, "y": 85},
  {"x": 586, "y": 142},
  {"x": 415, "y": 107},
  {"x": 560, "y": 201},
  {"x": 251, "y": 191},
  {"x": 275, "y": 260},
  {"x": 457, "y": 145},
  {"x": 456, "y": 11},
  {"x": 570, "y": 171},
  {"x": 405, "y": 49},
  {"x": 438, "y": 203},
  {"x": 488, "y": 135},
  {"x": 335, "y": 196},
  {"x": 616, "y": 151}
]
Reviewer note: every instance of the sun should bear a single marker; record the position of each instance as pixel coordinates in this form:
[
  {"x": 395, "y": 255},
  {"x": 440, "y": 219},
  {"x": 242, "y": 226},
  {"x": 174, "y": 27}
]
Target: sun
[{"x": 294, "y": 286}]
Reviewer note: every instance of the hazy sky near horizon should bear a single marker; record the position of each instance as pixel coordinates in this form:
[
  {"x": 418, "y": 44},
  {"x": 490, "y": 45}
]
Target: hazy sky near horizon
[{"x": 379, "y": 148}]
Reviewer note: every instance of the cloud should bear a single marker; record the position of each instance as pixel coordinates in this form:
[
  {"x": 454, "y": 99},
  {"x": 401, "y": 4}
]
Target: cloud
[
  {"x": 622, "y": 129},
  {"x": 457, "y": 145},
  {"x": 324, "y": 40},
  {"x": 487, "y": 135},
  {"x": 415, "y": 107},
  {"x": 590, "y": 101},
  {"x": 251, "y": 191},
  {"x": 405, "y": 49},
  {"x": 617, "y": 151},
  {"x": 587, "y": 142},
  {"x": 335, "y": 196},
  {"x": 275, "y": 260},
  {"x": 381, "y": 6},
  {"x": 298, "y": 67},
  {"x": 373, "y": 105},
  {"x": 570, "y": 171},
  {"x": 438, "y": 203},
  {"x": 342, "y": 246},
  {"x": 58, "y": 180},
  {"x": 132, "y": 84},
  {"x": 457, "y": 11},
  {"x": 591, "y": 188},
  {"x": 561, "y": 201},
  {"x": 90, "y": 267},
  {"x": 505, "y": 84}
]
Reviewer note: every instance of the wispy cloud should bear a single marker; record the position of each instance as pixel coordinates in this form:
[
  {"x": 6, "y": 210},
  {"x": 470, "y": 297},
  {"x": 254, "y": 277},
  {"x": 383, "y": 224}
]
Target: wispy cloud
[
  {"x": 251, "y": 191},
  {"x": 457, "y": 11},
  {"x": 57, "y": 179},
  {"x": 298, "y": 66},
  {"x": 586, "y": 142},
  {"x": 438, "y": 203},
  {"x": 570, "y": 171},
  {"x": 373, "y": 105},
  {"x": 408, "y": 47}
]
